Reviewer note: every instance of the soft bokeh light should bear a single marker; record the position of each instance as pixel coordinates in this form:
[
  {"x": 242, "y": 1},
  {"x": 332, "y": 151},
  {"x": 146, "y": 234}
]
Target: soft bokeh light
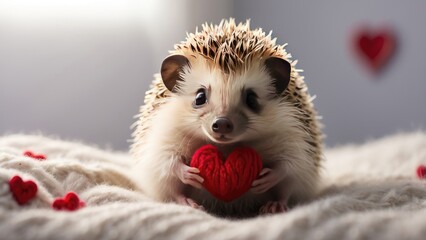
[
  {"x": 76, "y": 10},
  {"x": 79, "y": 68}
]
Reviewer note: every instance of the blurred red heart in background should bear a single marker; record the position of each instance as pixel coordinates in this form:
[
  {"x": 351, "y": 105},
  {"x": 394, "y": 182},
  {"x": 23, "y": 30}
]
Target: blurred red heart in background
[{"x": 375, "y": 47}]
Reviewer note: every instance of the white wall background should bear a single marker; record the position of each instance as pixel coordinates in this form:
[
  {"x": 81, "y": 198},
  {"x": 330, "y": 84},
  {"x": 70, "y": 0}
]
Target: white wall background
[
  {"x": 79, "y": 69},
  {"x": 355, "y": 104}
]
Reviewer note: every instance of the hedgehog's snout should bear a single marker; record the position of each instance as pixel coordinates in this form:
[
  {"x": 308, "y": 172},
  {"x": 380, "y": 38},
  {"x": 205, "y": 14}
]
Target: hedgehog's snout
[
  {"x": 222, "y": 125},
  {"x": 224, "y": 129}
]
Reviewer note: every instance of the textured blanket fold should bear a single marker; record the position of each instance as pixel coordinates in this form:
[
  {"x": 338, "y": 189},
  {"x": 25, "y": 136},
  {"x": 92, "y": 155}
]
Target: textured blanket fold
[{"x": 370, "y": 191}]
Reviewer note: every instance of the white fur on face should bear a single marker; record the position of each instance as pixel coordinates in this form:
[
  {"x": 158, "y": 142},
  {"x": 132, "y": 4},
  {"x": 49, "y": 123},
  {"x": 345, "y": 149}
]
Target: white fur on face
[
  {"x": 225, "y": 90},
  {"x": 225, "y": 94}
]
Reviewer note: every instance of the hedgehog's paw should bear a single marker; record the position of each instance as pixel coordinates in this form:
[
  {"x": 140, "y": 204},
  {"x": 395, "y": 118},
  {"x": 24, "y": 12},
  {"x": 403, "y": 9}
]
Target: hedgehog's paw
[
  {"x": 272, "y": 207},
  {"x": 267, "y": 179},
  {"x": 189, "y": 175},
  {"x": 188, "y": 202}
]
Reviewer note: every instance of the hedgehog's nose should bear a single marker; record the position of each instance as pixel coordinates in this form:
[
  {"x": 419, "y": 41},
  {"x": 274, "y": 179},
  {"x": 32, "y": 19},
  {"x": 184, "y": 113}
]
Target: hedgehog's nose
[{"x": 222, "y": 125}]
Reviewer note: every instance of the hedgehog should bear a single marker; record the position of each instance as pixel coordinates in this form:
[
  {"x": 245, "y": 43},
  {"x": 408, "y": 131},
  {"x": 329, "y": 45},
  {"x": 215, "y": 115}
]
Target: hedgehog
[{"x": 229, "y": 86}]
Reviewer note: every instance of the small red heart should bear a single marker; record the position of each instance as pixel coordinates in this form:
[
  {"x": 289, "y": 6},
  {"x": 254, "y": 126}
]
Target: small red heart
[
  {"x": 227, "y": 180},
  {"x": 35, "y": 156},
  {"x": 70, "y": 202},
  {"x": 421, "y": 172},
  {"x": 22, "y": 191},
  {"x": 376, "y": 47}
]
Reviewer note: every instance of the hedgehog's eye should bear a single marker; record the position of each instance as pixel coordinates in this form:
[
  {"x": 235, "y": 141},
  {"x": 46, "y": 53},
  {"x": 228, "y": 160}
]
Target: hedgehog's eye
[
  {"x": 251, "y": 101},
  {"x": 200, "y": 98}
]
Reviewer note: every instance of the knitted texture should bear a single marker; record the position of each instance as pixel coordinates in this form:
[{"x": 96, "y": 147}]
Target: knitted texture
[
  {"x": 370, "y": 191},
  {"x": 227, "y": 179}
]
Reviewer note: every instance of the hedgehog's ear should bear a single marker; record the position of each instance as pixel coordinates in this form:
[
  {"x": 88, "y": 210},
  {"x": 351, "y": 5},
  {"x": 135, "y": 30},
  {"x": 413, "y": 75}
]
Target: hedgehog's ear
[
  {"x": 280, "y": 71},
  {"x": 171, "y": 69}
]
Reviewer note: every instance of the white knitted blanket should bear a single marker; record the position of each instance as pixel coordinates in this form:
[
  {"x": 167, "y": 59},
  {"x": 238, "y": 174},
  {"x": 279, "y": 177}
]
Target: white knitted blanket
[{"x": 370, "y": 192}]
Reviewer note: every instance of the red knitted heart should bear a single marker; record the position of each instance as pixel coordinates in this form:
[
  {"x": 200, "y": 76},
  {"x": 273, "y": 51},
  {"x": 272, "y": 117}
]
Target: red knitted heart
[
  {"x": 70, "y": 202},
  {"x": 227, "y": 180},
  {"x": 22, "y": 191},
  {"x": 421, "y": 172},
  {"x": 376, "y": 47},
  {"x": 35, "y": 156}
]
